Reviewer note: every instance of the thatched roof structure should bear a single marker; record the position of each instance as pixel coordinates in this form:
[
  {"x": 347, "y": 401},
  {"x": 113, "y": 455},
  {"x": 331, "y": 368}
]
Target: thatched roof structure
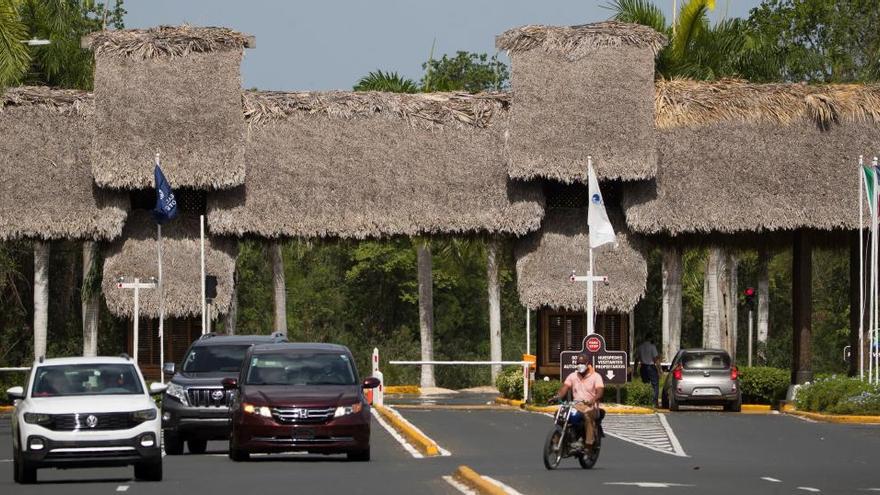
[
  {"x": 46, "y": 191},
  {"x": 176, "y": 90},
  {"x": 738, "y": 157},
  {"x": 580, "y": 91},
  {"x": 545, "y": 259},
  {"x": 358, "y": 165},
  {"x": 135, "y": 255}
]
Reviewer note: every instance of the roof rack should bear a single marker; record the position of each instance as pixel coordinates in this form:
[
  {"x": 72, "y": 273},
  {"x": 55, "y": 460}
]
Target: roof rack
[
  {"x": 125, "y": 356},
  {"x": 279, "y": 336},
  {"x": 42, "y": 358},
  {"x": 208, "y": 335}
]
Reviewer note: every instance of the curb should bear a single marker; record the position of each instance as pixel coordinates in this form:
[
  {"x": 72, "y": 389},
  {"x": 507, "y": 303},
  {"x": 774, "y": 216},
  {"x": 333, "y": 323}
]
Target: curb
[
  {"x": 835, "y": 418},
  {"x": 403, "y": 389},
  {"x": 425, "y": 445},
  {"x": 756, "y": 409},
  {"x": 4, "y": 409},
  {"x": 477, "y": 482},
  {"x": 509, "y": 402}
]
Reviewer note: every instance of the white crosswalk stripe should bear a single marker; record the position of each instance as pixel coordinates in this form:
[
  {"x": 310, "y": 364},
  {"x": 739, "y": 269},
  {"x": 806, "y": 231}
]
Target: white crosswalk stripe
[{"x": 651, "y": 431}]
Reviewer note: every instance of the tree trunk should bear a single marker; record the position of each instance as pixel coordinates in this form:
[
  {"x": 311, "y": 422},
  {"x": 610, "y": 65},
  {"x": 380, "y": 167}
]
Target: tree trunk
[
  {"x": 494, "y": 306},
  {"x": 426, "y": 312},
  {"x": 672, "y": 270},
  {"x": 91, "y": 303},
  {"x": 801, "y": 308},
  {"x": 279, "y": 286},
  {"x": 732, "y": 305},
  {"x": 763, "y": 303},
  {"x": 41, "y": 296},
  {"x": 232, "y": 314},
  {"x": 711, "y": 303}
]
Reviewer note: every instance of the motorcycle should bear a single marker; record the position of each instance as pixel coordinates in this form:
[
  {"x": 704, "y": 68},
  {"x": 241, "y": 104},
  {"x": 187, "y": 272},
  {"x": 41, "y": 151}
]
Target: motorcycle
[{"x": 563, "y": 440}]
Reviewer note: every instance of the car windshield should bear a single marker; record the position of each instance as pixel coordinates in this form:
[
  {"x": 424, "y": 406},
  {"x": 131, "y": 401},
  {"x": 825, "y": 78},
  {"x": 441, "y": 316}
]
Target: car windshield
[
  {"x": 86, "y": 379},
  {"x": 212, "y": 358},
  {"x": 301, "y": 368},
  {"x": 706, "y": 361}
]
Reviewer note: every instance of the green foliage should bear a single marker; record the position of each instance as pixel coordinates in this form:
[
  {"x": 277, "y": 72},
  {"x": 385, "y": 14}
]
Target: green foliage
[
  {"x": 542, "y": 390},
  {"x": 510, "y": 383},
  {"x": 14, "y": 56},
  {"x": 763, "y": 385},
  {"x": 634, "y": 393},
  {"x": 865, "y": 403},
  {"x": 471, "y": 72},
  {"x": 391, "y": 82},
  {"x": 830, "y": 394}
]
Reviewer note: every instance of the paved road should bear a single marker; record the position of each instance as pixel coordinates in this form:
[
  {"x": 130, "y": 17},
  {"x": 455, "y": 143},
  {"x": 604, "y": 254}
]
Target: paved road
[{"x": 725, "y": 453}]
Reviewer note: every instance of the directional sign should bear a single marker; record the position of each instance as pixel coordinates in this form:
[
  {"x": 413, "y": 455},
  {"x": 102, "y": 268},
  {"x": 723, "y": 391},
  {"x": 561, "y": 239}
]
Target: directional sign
[{"x": 610, "y": 364}]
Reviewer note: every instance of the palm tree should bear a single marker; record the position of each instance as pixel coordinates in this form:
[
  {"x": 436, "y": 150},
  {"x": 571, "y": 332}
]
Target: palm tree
[
  {"x": 14, "y": 56},
  {"x": 91, "y": 298},
  {"x": 279, "y": 286},
  {"x": 390, "y": 82},
  {"x": 41, "y": 296}
]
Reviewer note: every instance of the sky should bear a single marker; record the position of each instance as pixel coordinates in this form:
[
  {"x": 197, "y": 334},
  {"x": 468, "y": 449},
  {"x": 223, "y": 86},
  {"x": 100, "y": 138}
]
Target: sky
[{"x": 330, "y": 44}]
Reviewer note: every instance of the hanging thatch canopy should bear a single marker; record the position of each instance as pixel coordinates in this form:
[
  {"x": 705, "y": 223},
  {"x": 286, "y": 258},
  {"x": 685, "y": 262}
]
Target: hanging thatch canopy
[
  {"x": 369, "y": 164},
  {"x": 135, "y": 254},
  {"x": 46, "y": 190},
  {"x": 545, "y": 259},
  {"x": 579, "y": 91},
  {"x": 740, "y": 157},
  {"x": 176, "y": 90}
]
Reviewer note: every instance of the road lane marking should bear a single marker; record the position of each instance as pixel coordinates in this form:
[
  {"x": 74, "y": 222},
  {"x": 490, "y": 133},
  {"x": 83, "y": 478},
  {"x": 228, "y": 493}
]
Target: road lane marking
[
  {"x": 809, "y": 489},
  {"x": 651, "y": 431},
  {"x": 5, "y": 460},
  {"x": 648, "y": 484},
  {"x": 507, "y": 489},
  {"x": 122, "y": 488},
  {"x": 459, "y": 486},
  {"x": 772, "y": 480},
  {"x": 443, "y": 452},
  {"x": 397, "y": 436}
]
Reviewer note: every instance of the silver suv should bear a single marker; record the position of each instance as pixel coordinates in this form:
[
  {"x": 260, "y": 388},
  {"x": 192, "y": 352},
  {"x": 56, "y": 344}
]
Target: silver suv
[{"x": 702, "y": 377}]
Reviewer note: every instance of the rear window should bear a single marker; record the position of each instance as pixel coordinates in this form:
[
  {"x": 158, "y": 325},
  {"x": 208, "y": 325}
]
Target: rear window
[{"x": 706, "y": 361}]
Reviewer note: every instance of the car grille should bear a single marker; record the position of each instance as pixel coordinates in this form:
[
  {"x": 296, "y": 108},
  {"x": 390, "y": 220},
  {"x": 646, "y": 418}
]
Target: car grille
[
  {"x": 302, "y": 415},
  {"x": 105, "y": 421},
  {"x": 205, "y": 397}
]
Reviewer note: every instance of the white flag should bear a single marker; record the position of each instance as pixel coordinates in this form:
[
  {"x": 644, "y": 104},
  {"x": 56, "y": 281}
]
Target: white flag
[{"x": 601, "y": 231}]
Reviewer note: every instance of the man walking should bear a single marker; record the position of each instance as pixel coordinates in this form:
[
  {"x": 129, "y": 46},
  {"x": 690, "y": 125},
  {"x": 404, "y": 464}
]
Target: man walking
[{"x": 649, "y": 366}]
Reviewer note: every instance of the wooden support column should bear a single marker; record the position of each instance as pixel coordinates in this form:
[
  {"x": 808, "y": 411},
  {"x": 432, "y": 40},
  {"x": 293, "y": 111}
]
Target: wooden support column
[{"x": 802, "y": 308}]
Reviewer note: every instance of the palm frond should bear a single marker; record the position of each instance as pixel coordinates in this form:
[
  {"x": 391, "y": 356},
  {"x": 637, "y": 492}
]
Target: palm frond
[
  {"x": 691, "y": 21},
  {"x": 390, "y": 82},
  {"x": 642, "y": 12},
  {"x": 14, "y": 56}
]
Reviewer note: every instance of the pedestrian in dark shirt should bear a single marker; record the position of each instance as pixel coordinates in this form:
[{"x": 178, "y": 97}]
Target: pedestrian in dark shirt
[{"x": 649, "y": 360}]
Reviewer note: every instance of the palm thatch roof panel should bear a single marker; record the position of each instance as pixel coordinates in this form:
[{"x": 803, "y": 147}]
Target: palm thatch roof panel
[
  {"x": 47, "y": 190},
  {"x": 188, "y": 108},
  {"x": 166, "y": 41},
  {"x": 734, "y": 177},
  {"x": 316, "y": 172},
  {"x": 135, "y": 254},
  {"x": 574, "y": 42},
  {"x": 546, "y": 258},
  {"x": 599, "y": 106}
]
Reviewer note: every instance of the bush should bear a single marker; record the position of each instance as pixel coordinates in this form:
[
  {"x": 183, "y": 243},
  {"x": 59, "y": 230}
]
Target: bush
[
  {"x": 833, "y": 394},
  {"x": 542, "y": 391},
  {"x": 510, "y": 383},
  {"x": 763, "y": 385},
  {"x": 862, "y": 404},
  {"x": 634, "y": 393}
]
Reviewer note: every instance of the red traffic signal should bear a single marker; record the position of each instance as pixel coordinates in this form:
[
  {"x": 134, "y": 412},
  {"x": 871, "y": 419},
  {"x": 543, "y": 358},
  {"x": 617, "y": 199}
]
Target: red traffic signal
[{"x": 749, "y": 292}]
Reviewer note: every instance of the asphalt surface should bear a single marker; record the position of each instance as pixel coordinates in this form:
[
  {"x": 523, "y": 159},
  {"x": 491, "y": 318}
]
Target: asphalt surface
[{"x": 726, "y": 453}]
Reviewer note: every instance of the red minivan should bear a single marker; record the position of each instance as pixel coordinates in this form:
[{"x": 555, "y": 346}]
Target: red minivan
[{"x": 299, "y": 398}]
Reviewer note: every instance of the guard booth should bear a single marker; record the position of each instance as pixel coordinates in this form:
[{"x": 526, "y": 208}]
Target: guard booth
[
  {"x": 560, "y": 331},
  {"x": 179, "y": 334}
]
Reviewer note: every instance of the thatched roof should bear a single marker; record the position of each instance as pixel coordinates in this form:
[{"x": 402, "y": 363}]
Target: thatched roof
[
  {"x": 166, "y": 41},
  {"x": 575, "y": 42},
  {"x": 738, "y": 157},
  {"x": 358, "y": 165},
  {"x": 187, "y": 108},
  {"x": 46, "y": 191},
  {"x": 545, "y": 259},
  {"x": 136, "y": 255}
]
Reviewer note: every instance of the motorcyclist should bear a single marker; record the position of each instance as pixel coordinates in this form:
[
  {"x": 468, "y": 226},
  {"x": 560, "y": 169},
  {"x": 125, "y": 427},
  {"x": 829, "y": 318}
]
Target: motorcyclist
[{"x": 587, "y": 388}]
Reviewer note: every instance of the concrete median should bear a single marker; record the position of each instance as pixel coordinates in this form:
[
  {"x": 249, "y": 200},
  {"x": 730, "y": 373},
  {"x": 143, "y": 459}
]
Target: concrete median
[
  {"x": 421, "y": 442},
  {"x": 483, "y": 486}
]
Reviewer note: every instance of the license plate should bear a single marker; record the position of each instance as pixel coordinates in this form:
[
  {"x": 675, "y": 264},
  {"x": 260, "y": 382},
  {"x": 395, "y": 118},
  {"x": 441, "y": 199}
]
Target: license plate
[
  {"x": 706, "y": 391},
  {"x": 303, "y": 434}
]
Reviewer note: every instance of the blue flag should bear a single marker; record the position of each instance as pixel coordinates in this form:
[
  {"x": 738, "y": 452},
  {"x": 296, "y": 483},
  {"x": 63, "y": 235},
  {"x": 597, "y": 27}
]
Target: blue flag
[{"x": 166, "y": 204}]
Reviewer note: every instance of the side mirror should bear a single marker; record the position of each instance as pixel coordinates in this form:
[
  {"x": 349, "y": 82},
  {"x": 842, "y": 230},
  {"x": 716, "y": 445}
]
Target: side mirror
[
  {"x": 15, "y": 393},
  {"x": 158, "y": 388},
  {"x": 230, "y": 383},
  {"x": 168, "y": 368},
  {"x": 371, "y": 382}
]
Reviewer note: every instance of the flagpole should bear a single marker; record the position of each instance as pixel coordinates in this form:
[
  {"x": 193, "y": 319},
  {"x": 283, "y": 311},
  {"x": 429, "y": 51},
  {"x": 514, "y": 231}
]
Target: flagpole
[
  {"x": 202, "y": 234},
  {"x": 161, "y": 295},
  {"x": 861, "y": 270},
  {"x": 873, "y": 358},
  {"x": 590, "y": 319}
]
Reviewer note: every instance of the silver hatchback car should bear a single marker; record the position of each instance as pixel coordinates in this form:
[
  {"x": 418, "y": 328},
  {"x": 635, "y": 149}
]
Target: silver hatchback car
[{"x": 702, "y": 377}]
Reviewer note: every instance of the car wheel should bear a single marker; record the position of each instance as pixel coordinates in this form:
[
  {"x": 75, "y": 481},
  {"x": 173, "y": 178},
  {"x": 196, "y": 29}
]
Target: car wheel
[
  {"x": 173, "y": 444},
  {"x": 21, "y": 471},
  {"x": 673, "y": 404},
  {"x": 359, "y": 455},
  {"x": 197, "y": 446},
  {"x": 148, "y": 471},
  {"x": 736, "y": 405},
  {"x": 237, "y": 454}
]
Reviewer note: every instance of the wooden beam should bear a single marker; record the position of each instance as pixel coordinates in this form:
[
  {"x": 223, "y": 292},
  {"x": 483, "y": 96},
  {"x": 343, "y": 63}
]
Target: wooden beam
[{"x": 801, "y": 308}]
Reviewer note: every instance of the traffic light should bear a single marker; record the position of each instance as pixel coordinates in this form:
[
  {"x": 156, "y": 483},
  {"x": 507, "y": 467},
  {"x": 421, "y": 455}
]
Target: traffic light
[
  {"x": 210, "y": 287},
  {"x": 749, "y": 294}
]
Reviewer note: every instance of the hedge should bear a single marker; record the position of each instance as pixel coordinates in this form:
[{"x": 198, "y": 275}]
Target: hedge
[
  {"x": 839, "y": 395},
  {"x": 510, "y": 385},
  {"x": 763, "y": 385}
]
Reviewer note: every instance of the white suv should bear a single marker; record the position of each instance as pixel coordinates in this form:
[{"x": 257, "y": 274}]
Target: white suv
[{"x": 86, "y": 412}]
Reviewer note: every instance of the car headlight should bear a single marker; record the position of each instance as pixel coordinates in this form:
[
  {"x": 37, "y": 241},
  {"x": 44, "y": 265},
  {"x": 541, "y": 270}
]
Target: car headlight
[
  {"x": 144, "y": 415},
  {"x": 37, "y": 418},
  {"x": 257, "y": 410},
  {"x": 178, "y": 392},
  {"x": 346, "y": 410}
]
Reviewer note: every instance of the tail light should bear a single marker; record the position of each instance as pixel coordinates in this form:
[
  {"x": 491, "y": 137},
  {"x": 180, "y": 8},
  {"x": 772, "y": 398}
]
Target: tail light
[
  {"x": 676, "y": 373},
  {"x": 734, "y": 373}
]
